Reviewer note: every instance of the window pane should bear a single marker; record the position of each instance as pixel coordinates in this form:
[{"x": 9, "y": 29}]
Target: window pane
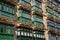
[{"x": 0, "y": 6}]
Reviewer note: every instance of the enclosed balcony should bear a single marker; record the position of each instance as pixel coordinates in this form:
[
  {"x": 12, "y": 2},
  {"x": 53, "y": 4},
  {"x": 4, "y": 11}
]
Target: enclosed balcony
[
  {"x": 36, "y": 5},
  {"x": 38, "y": 35},
  {"x": 55, "y": 2},
  {"x": 7, "y": 10},
  {"x": 54, "y": 37},
  {"x": 24, "y": 34},
  {"x": 50, "y": 24},
  {"x": 51, "y": 12},
  {"x": 6, "y": 32},
  {"x": 57, "y": 26},
  {"x": 24, "y": 16},
  {"x": 24, "y": 2},
  {"x": 37, "y": 20},
  {"x": 53, "y": 25}
]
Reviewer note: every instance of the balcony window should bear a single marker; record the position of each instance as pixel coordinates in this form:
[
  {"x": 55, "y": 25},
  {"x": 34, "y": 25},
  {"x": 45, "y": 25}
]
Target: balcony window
[
  {"x": 38, "y": 34},
  {"x": 24, "y": 34}
]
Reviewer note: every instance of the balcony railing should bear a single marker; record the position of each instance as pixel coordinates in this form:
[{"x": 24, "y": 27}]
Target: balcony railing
[
  {"x": 36, "y": 5},
  {"x": 7, "y": 10}
]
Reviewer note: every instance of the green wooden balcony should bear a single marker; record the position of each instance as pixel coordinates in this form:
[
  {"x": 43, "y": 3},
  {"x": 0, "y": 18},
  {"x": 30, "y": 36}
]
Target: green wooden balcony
[
  {"x": 6, "y": 32},
  {"x": 36, "y": 5},
  {"x": 7, "y": 10},
  {"x": 6, "y": 29},
  {"x": 24, "y": 2},
  {"x": 24, "y": 16},
  {"x": 53, "y": 13},
  {"x": 53, "y": 25}
]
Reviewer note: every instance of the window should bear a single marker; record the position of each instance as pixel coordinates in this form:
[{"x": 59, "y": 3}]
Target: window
[
  {"x": 22, "y": 33},
  {"x": 52, "y": 37},
  {"x": 49, "y": 10},
  {"x": 50, "y": 23},
  {"x": 18, "y": 32},
  {"x": 31, "y": 34},
  {"x": 27, "y": 1},
  {"x": 26, "y": 15},
  {"x": 38, "y": 4},
  {"x": 27, "y": 33},
  {"x": 34, "y": 35}
]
